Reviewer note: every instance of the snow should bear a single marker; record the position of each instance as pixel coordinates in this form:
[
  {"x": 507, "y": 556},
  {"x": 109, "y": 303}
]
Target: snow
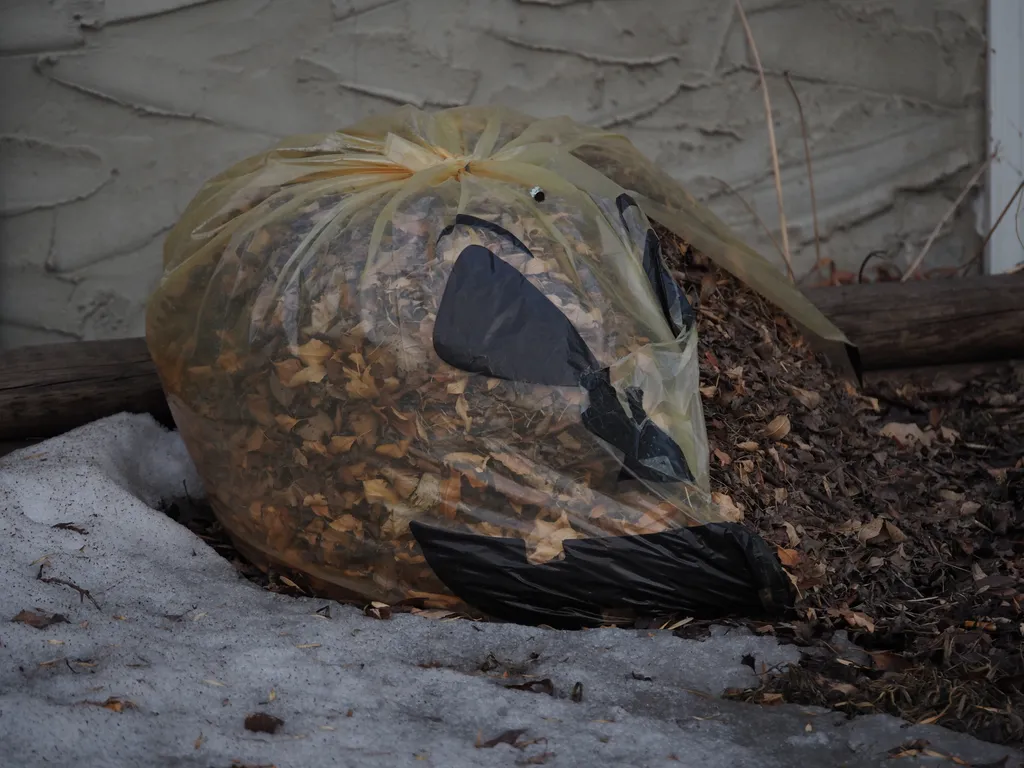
[{"x": 193, "y": 648}]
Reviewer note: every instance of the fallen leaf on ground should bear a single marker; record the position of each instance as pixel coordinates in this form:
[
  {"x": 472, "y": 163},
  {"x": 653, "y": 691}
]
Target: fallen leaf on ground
[
  {"x": 857, "y": 619},
  {"x": 908, "y": 434},
  {"x": 969, "y": 508},
  {"x": 114, "y": 704},
  {"x": 40, "y": 620},
  {"x": 788, "y": 557},
  {"x": 808, "y": 399},
  {"x": 871, "y": 530},
  {"x": 508, "y": 737},
  {"x": 261, "y": 722},
  {"x": 535, "y": 686},
  {"x": 729, "y": 510},
  {"x": 886, "y": 661},
  {"x": 778, "y": 428},
  {"x": 376, "y": 610}
]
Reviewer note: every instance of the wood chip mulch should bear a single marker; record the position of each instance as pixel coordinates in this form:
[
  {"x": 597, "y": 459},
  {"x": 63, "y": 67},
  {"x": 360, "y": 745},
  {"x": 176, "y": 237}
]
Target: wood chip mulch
[{"x": 898, "y": 509}]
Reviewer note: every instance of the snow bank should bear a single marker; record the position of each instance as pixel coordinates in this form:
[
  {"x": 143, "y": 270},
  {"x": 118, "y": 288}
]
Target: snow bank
[{"x": 169, "y": 651}]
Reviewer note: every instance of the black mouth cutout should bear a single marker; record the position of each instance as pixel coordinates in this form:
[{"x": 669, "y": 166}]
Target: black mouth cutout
[{"x": 494, "y": 322}]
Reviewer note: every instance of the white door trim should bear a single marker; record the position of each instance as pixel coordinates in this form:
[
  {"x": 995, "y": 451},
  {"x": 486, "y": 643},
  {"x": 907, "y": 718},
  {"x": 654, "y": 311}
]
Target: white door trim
[{"x": 1006, "y": 129}]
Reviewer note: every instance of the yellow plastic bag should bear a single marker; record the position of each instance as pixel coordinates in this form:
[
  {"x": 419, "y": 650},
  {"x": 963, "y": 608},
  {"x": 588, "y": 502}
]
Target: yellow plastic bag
[{"x": 437, "y": 358}]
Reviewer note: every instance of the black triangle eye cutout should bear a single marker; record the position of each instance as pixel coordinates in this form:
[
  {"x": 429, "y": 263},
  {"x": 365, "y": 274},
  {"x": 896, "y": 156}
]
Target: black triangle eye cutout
[
  {"x": 495, "y": 322},
  {"x": 649, "y": 453},
  {"x": 676, "y": 308}
]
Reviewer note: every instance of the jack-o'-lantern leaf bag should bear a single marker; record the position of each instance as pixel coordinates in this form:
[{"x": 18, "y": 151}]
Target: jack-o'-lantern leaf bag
[{"x": 437, "y": 359}]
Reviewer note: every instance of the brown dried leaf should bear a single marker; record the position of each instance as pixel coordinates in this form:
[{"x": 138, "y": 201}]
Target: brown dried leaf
[
  {"x": 886, "y": 661},
  {"x": 394, "y": 450},
  {"x": 472, "y": 461},
  {"x": 361, "y": 386},
  {"x": 377, "y": 491},
  {"x": 341, "y": 444},
  {"x": 969, "y": 508},
  {"x": 261, "y": 722},
  {"x": 287, "y": 369},
  {"x": 808, "y": 399},
  {"x": 286, "y": 422},
  {"x": 462, "y": 408},
  {"x": 788, "y": 557},
  {"x": 895, "y": 533},
  {"x": 314, "y": 374},
  {"x": 778, "y": 428},
  {"x": 40, "y": 620},
  {"x": 544, "y": 543},
  {"x": 314, "y": 352},
  {"x": 730, "y": 511},
  {"x": 508, "y": 737},
  {"x": 427, "y": 493},
  {"x": 451, "y": 495},
  {"x": 907, "y": 434},
  {"x": 871, "y": 530},
  {"x": 794, "y": 537},
  {"x": 857, "y": 619}
]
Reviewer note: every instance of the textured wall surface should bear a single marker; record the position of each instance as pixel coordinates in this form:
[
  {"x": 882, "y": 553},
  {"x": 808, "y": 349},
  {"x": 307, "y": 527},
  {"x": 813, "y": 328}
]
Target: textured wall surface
[{"x": 115, "y": 111}]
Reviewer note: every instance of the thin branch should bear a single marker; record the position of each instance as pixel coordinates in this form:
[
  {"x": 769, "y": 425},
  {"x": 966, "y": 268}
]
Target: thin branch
[
  {"x": 1016, "y": 220},
  {"x": 729, "y": 188},
  {"x": 991, "y": 231},
  {"x": 810, "y": 170},
  {"x": 771, "y": 140},
  {"x": 942, "y": 222},
  {"x": 82, "y": 593}
]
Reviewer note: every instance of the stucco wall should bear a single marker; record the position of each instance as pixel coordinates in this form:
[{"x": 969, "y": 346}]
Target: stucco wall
[{"x": 114, "y": 112}]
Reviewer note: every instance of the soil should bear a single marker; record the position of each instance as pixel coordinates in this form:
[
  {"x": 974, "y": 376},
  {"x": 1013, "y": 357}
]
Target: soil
[{"x": 898, "y": 510}]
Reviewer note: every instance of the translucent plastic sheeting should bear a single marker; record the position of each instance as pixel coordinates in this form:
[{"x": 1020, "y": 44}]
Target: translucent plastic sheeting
[{"x": 438, "y": 358}]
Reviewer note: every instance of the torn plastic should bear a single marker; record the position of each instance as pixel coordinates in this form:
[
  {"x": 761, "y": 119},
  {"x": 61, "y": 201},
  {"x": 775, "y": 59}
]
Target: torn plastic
[{"x": 438, "y": 358}]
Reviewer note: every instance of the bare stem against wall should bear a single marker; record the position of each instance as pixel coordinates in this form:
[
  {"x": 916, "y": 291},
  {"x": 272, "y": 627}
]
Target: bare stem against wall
[
  {"x": 949, "y": 212},
  {"x": 810, "y": 170},
  {"x": 771, "y": 140}
]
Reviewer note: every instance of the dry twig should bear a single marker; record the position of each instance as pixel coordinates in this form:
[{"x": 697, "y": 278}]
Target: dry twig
[
  {"x": 942, "y": 222},
  {"x": 771, "y": 140},
  {"x": 810, "y": 170},
  {"x": 995, "y": 226}
]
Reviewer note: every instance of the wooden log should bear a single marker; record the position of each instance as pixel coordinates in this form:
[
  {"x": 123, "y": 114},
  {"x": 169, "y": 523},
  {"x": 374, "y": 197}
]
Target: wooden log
[
  {"x": 49, "y": 389},
  {"x": 929, "y": 322}
]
